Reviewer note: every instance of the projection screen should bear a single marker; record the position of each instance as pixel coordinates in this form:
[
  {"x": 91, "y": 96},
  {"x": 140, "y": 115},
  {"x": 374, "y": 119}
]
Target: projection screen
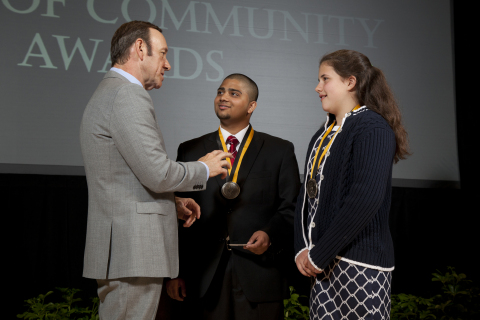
[{"x": 55, "y": 53}]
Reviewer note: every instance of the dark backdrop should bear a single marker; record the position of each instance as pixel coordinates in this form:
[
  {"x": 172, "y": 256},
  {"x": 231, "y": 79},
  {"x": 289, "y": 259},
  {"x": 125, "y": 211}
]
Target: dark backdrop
[{"x": 45, "y": 216}]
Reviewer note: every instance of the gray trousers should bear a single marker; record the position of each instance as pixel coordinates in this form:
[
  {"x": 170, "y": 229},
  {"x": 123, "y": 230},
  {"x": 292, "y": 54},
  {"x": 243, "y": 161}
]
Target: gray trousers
[{"x": 129, "y": 298}]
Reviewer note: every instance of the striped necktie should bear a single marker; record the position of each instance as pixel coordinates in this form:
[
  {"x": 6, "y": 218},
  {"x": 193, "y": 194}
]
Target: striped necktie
[{"x": 233, "y": 147}]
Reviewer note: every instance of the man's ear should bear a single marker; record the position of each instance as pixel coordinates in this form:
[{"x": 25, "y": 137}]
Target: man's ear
[
  {"x": 252, "y": 105},
  {"x": 140, "y": 48}
]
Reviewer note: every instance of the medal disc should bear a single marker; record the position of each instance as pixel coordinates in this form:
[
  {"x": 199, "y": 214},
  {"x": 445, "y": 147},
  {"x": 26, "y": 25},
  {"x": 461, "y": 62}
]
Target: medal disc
[
  {"x": 230, "y": 190},
  {"x": 312, "y": 188}
]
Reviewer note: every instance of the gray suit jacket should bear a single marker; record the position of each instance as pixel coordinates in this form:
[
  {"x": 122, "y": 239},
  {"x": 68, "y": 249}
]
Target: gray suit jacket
[{"x": 132, "y": 221}]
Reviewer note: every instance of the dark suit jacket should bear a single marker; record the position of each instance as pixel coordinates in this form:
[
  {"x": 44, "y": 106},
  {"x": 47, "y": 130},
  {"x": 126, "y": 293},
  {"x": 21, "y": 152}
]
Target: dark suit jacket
[{"x": 269, "y": 181}]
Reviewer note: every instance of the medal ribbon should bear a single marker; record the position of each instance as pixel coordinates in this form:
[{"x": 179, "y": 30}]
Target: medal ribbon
[
  {"x": 243, "y": 149},
  {"x": 316, "y": 165}
]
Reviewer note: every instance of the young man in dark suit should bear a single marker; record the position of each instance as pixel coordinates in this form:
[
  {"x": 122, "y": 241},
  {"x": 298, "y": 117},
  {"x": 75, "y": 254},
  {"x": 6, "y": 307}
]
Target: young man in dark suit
[{"x": 232, "y": 260}]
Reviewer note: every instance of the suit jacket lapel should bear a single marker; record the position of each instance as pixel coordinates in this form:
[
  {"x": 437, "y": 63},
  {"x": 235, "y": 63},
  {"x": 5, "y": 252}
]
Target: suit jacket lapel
[
  {"x": 211, "y": 145},
  {"x": 249, "y": 158}
]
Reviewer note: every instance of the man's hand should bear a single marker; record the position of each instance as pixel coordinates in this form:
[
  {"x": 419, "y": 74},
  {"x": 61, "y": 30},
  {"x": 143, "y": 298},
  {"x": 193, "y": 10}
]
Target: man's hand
[
  {"x": 176, "y": 289},
  {"x": 258, "y": 243},
  {"x": 217, "y": 163},
  {"x": 304, "y": 265},
  {"x": 188, "y": 210}
]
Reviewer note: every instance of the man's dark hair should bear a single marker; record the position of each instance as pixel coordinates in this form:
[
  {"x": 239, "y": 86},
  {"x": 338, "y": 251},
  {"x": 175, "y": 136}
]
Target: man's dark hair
[
  {"x": 126, "y": 35},
  {"x": 251, "y": 85}
]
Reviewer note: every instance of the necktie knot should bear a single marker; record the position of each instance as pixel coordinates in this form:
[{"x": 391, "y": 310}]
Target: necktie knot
[
  {"x": 233, "y": 147},
  {"x": 232, "y": 141}
]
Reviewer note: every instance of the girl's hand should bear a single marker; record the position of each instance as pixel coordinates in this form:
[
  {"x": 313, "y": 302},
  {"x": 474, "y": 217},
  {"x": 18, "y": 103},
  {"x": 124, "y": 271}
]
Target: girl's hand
[
  {"x": 304, "y": 265},
  {"x": 311, "y": 268}
]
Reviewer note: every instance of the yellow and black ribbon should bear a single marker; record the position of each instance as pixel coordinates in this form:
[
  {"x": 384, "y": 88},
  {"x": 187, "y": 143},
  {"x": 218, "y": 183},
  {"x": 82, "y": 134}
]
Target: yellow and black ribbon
[
  {"x": 241, "y": 151},
  {"x": 316, "y": 165}
]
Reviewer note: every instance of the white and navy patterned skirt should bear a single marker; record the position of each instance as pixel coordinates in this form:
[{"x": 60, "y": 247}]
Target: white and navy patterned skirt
[{"x": 348, "y": 291}]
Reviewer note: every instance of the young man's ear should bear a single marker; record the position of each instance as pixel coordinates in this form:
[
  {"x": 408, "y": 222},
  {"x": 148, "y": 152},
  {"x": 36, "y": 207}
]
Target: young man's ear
[{"x": 251, "y": 106}]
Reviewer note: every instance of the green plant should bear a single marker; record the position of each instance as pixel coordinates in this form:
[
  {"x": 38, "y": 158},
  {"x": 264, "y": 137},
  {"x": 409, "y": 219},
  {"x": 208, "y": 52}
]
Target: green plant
[
  {"x": 293, "y": 309},
  {"x": 38, "y": 308},
  {"x": 408, "y": 306},
  {"x": 458, "y": 300}
]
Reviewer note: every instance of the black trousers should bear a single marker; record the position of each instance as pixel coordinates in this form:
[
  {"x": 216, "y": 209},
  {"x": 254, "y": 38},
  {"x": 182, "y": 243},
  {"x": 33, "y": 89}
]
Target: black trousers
[{"x": 225, "y": 299}]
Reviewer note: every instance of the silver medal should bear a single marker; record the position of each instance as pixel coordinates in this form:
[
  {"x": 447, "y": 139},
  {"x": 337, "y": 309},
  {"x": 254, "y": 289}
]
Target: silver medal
[
  {"x": 312, "y": 188},
  {"x": 230, "y": 190}
]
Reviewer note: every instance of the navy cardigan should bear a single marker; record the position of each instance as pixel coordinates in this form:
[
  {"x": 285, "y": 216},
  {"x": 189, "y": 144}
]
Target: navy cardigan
[{"x": 351, "y": 220}]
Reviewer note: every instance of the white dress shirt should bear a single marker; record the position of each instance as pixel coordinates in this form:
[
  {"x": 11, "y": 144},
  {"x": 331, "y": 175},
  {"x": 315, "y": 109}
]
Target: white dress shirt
[{"x": 240, "y": 135}]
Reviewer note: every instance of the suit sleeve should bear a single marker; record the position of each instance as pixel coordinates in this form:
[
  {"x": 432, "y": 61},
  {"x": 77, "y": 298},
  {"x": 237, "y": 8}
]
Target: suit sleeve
[
  {"x": 184, "y": 234},
  {"x": 138, "y": 139},
  {"x": 372, "y": 163},
  {"x": 280, "y": 226},
  {"x": 181, "y": 157}
]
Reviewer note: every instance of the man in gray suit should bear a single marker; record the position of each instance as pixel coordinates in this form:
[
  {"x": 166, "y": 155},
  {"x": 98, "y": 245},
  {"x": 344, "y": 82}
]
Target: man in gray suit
[{"x": 131, "y": 242}]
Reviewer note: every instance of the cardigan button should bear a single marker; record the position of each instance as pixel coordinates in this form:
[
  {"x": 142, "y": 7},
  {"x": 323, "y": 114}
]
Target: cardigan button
[
  {"x": 312, "y": 225},
  {"x": 328, "y": 153},
  {"x": 321, "y": 177},
  {"x": 339, "y": 130}
]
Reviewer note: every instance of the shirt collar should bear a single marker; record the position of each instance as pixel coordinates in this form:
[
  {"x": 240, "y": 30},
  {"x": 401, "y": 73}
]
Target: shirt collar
[
  {"x": 239, "y": 135},
  {"x": 127, "y": 75}
]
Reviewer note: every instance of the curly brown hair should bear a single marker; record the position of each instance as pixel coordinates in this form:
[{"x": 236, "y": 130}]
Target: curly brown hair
[{"x": 372, "y": 90}]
